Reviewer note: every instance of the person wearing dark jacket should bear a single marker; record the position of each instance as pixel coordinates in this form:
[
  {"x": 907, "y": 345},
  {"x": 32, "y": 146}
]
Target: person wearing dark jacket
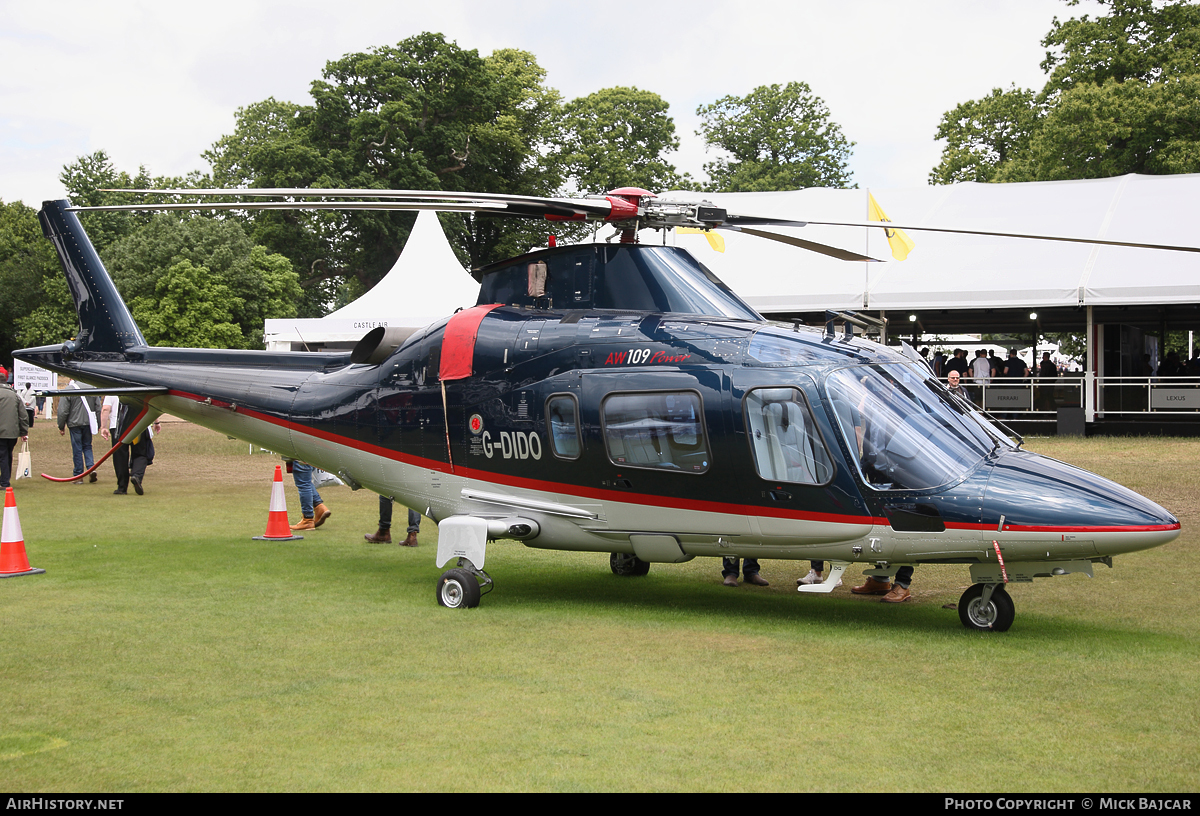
[
  {"x": 79, "y": 414},
  {"x": 14, "y": 425}
]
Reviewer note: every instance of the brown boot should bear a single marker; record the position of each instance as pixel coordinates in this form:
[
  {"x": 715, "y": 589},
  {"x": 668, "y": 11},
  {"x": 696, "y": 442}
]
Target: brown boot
[
  {"x": 320, "y": 513},
  {"x": 898, "y": 595},
  {"x": 873, "y": 586},
  {"x": 409, "y": 541},
  {"x": 380, "y": 536},
  {"x": 305, "y": 523}
]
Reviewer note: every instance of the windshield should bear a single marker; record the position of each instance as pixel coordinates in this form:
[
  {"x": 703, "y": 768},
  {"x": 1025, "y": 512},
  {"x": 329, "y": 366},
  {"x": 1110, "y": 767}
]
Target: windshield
[{"x": 907, "y": 432}]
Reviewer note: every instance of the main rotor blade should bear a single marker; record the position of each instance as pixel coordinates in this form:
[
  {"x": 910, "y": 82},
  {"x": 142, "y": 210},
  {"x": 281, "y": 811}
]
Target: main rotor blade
[
  {"x": 813, "y": 246},
  {"x": 598, "y": 206},
  {"x": 780, "y": 222},
  {"x": 444, "y": 206}
]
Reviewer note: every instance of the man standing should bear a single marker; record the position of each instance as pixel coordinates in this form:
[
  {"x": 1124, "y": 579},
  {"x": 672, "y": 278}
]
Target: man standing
[
  {"x": 958, "y": 362},
  {"x": 79, "y": 414},
  {"x": 1015, "y": 367},
  {"x": 996, "y": 363},
  {"x": 954, "y": 386},
  {"x": 14, "y": 424},
  {"x": 981, "y": 369},
  {"x": 131, "y": 459},
  {"x": 384, "y": 534},
  {"x": 313, "y": 511},
  {"x": 29, "y": 398},
  {"x": 749, "y": 570}
]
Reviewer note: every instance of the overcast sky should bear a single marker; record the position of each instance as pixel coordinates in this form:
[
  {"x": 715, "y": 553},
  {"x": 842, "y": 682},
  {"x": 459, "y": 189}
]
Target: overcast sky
[{"x": 156, "y": 83}]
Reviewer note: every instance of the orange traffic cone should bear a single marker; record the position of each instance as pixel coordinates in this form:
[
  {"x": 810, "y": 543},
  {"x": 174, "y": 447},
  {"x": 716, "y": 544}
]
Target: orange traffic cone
[
  {"x": 13, "y": 561},
  {"x": 278, "y": 528}
]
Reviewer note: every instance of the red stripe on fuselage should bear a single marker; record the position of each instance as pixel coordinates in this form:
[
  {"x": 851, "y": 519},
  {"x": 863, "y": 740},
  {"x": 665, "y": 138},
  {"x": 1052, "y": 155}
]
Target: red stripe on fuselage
[{"x": 1033, "y": 528}]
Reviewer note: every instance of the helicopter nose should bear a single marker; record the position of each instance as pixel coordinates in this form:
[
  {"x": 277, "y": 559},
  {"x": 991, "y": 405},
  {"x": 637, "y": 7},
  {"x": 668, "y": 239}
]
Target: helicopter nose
[{"x": 1044, "y": 501}]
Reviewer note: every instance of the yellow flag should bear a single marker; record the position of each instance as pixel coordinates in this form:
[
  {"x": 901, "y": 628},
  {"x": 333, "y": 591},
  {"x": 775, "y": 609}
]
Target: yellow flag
[
  {"x": 715, "y": 241},
  {"x": 898, "y": 240}
]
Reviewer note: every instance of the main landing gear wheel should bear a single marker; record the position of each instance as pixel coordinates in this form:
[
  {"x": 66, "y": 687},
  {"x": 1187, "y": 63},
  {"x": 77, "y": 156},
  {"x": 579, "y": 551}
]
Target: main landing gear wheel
[
  {"x": 458, "y": 589},
  {"x": 628, "y": 565},
  {"x": 994, "y": 616}
]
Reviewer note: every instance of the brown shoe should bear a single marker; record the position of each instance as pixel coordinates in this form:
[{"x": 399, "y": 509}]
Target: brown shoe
[
  {"x": 730, "y": 580},
  {"x": 898, "y": 595},
  {"x": 410, "y": 540},
  {"x": 305, "y": 523},
  {"x": 756, "y": 579},
  {"x": 873, "y": 586},
  {"x": 320, "y": 513},
  {"x": 380, "y": 536},
  {"x": 93, "y": 477}
]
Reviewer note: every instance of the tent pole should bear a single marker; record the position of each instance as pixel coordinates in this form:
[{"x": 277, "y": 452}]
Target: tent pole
[{"x": 1089, "y": 377}]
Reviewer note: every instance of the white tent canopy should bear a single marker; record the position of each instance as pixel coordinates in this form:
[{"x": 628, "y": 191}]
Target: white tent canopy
[
  {"x": 426, "y": 283},
  {"x": 966, "y": 271}
]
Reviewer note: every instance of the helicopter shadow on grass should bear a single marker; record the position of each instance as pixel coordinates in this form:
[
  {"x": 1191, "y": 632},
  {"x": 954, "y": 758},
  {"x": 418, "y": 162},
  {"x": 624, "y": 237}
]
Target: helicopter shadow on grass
[
  {"x": 681, "y": 595},
  {"x": 676, "y": 595}
]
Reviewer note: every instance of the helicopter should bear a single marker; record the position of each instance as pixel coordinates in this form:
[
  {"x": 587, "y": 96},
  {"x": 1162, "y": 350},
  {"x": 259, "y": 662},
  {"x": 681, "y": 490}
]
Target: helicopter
[{"x": 620, "y": 398}]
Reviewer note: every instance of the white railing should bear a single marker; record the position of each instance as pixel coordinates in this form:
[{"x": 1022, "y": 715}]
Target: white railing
[{"x": 1039, "y": 398}]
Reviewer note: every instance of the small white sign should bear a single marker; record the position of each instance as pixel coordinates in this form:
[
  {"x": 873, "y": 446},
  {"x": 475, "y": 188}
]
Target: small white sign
[
  {"x": 1008, "y": 399},
  {"x": 1175, "y": 399},
  {"x": 40, "y": 378}
]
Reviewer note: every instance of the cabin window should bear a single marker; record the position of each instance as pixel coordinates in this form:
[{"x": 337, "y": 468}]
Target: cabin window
[
  {"x": 659, "y": 430},
  {"x": 562, "y": 417},
  {"x": 784, "y": 439}
]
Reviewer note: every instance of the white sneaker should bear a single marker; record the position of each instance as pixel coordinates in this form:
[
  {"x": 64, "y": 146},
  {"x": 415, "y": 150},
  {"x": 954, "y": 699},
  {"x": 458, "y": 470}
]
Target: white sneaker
[{"x": 814, "y": 577}]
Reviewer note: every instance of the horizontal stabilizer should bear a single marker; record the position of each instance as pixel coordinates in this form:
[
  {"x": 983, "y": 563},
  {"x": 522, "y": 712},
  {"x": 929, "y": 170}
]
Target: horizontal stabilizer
[{"x": 147, "y": 391}]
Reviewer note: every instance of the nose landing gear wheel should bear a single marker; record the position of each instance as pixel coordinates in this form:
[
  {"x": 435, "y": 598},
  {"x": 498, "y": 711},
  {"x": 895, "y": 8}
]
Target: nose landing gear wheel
[
  {"x": 458, "y": 589},
  {"x": 996, "y": 615}
]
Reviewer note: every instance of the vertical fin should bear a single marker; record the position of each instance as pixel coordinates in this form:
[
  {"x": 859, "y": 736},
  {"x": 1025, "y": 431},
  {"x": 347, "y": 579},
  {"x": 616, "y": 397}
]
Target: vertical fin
[{"x": 104, "y": 322}]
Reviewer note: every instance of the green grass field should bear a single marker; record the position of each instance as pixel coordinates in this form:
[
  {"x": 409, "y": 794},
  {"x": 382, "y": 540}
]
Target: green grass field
[{"x": 163, "y": 650}]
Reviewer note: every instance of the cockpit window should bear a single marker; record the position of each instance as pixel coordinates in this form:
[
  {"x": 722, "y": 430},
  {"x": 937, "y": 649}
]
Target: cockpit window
[
  {"x": 783, "y": 438},
  {"x": 906, "y": 431}
]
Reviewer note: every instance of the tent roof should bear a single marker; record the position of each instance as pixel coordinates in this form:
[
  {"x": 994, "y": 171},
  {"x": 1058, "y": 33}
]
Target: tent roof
[
  {"x": 426, "y": 282},
  {"x": 962, "y": 271}
]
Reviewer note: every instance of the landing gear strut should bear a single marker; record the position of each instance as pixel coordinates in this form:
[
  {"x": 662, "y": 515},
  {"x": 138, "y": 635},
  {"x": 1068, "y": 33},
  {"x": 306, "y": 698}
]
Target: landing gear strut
[
  {"x": 987, "y": 608},
  {"x": 463, "y": 586}
]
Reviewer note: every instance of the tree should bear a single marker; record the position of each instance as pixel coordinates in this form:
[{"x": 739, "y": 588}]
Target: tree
[
  {"x": 617, "y": 137},
  {"x": 983, "y": 135},
  {"x": 53, "y": 319},
  {"x": 31, "y": 280},
  {"x": 1099, "y": 131},
  {"x": 778, "y": 138},
  {"x": 88, "y": 180},
  {"x": 188, "y": 309},
  {"x": 1139, "y": 40},
  {"x": 258, "y": 284},
  {"x": 1120, "y": 98},
  {"x": 424, "y": 114}
]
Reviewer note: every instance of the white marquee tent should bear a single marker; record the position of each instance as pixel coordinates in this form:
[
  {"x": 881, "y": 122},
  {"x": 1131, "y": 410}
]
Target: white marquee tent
[{"x": 961, "y": 271}]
